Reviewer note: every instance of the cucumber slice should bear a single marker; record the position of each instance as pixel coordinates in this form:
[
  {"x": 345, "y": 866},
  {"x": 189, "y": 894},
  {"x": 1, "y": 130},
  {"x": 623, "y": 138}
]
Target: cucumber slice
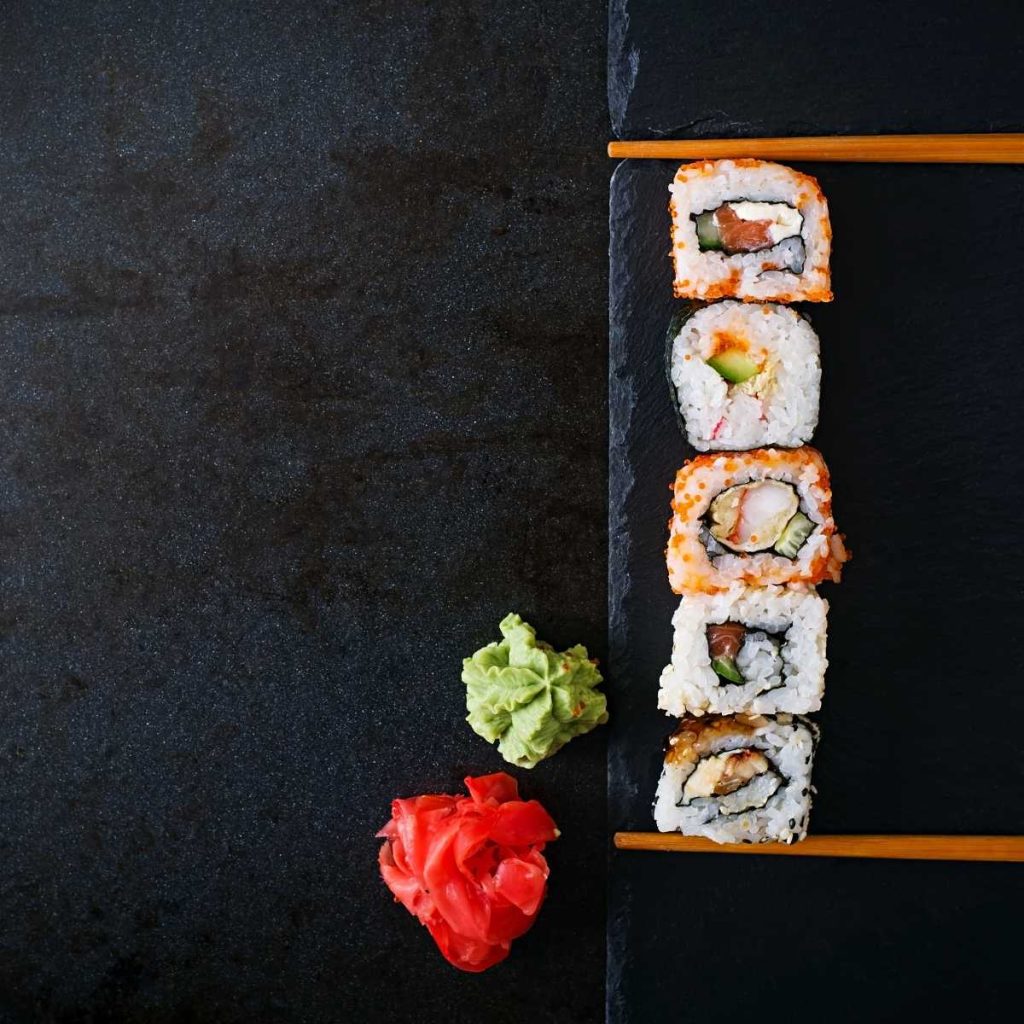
[
  {"x": 734, "y": 365},
  {"x": 707, "y": 231},
  {"x": 792, "y": 538},
  {"x": 726, "y": 668}
]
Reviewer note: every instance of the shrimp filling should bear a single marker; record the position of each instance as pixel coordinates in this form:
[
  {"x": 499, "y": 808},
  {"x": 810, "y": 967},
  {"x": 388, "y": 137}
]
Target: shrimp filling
[{"x": 751, "y": 517}]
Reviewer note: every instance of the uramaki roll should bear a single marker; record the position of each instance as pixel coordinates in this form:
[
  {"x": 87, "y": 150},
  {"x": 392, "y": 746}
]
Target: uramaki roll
[
  {"x": 744, "y": 375},
  {"x": 738, "y": 778},
  {"x": 757, "y": 517},
  {"x": 754, "y": 649},
  {"x": 749, "y": 229}
]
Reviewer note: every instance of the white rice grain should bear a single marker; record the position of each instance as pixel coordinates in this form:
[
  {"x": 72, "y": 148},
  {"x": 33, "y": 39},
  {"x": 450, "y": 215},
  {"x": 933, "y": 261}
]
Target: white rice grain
[
  {"x": 787, "y": 742},
  {"x": 771, "y": 274},
  {"x": 689, "y": 685},
  {"x": 777, "y": 406}
]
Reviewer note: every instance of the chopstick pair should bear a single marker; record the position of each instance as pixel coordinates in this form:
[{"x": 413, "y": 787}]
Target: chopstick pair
[
  {"x": 922, "y": 149},
  {"x": 968, "y": 148}
]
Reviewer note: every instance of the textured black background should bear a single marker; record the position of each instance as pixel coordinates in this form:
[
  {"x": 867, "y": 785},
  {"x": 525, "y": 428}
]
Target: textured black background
[
  {"x": 921, "y": 425},
  {"x": 302, "y": 389}
]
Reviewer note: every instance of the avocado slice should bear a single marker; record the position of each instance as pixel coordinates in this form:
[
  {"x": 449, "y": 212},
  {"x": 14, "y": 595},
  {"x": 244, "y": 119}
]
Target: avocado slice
[
  {"x": 707, "y": 231},
  {"x": 792, "y": 538},
  {"x": 734, "y": 365},
  {"x": 726, "y": 668}
]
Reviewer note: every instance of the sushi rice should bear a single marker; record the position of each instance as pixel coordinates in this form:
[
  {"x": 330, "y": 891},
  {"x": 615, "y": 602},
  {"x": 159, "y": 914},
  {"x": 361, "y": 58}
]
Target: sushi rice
[
  {"x": 794, "y": 269},
  {"x": 697, "y": 564},
  {"x": 777, "y": 403},
  {"x": 781, "y": 659},
  {"x": 772, "y": 806}
]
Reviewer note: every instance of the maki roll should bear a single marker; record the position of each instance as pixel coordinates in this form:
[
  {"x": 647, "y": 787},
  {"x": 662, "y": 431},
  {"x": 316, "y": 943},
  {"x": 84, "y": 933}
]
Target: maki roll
[
  {"x": 756, "y": 649},
  {"x": 749, "y": 229},
  {"x": 738, "y": 779},
  {"x": 745, "y": 375},
  {"x": 758, "y": 517}
]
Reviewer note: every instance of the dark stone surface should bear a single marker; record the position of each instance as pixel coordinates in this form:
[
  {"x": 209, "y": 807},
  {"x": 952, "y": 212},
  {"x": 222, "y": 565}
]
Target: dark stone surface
[
  {"x": 303, "y": 389},
  {"x": 813, "y": 67},
  {"x": 921, "y": 418}
]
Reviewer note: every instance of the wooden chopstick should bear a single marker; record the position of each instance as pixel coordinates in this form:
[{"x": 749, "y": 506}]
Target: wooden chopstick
[
  {"x": 913, "y": 149},
  {"x": 995, "y": 848}
]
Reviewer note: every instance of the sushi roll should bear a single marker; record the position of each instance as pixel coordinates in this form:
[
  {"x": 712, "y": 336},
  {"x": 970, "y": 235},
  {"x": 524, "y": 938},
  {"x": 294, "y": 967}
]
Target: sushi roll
[
  {"x": 738, "y": 779},
  {"x": 745, "y": 375},
  {"x": 749, "y": 229},
  {"x": 755, "y": 649},
  {"x": 758, "y": 517}
]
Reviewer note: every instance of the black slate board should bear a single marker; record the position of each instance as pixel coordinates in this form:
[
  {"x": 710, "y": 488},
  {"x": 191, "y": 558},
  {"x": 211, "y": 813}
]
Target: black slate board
[
  {"x": 922, "y": 409},
  {"x": 812, "y": 67}
]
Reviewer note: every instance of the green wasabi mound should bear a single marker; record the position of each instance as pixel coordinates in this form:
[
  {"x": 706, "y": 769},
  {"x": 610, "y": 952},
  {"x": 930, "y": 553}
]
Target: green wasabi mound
[{"x": 528, "y": 696}]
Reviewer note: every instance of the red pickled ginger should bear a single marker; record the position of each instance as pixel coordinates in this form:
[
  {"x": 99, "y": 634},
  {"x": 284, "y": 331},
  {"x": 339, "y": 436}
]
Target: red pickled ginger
[{"x": 470, "y": 868}]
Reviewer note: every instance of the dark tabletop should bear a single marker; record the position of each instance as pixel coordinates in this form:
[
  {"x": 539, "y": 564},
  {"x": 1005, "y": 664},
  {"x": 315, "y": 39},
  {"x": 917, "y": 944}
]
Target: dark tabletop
[{"x": 304, "y": 335}]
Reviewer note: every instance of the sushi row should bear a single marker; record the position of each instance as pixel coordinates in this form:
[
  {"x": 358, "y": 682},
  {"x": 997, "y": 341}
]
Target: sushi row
[{"x": 751, "y": 533}]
